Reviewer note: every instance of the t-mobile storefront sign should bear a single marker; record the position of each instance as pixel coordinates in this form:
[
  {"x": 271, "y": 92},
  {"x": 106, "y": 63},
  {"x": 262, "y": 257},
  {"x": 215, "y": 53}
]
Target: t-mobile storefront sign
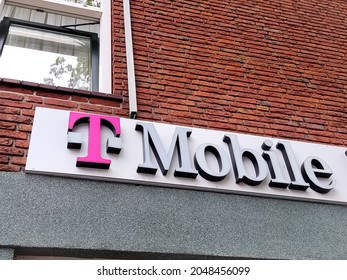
[{"x": 110, "y": 148}]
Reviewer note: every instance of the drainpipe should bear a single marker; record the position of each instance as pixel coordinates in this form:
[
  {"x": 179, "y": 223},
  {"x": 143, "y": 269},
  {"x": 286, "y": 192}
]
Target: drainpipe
[
  {"x": 130, "y": 60},
  {"x": 2, "y": 3}
]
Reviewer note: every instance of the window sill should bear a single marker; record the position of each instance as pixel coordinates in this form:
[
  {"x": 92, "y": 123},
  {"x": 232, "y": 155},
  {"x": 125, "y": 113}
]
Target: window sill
[{"x": 62, "y": 90}]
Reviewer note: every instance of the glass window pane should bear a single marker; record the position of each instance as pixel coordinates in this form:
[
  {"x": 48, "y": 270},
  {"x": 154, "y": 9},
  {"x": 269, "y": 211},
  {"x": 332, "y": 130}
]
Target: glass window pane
[
  {"x": 47, "y": 57},
  {"x": 93, "y": 3}
]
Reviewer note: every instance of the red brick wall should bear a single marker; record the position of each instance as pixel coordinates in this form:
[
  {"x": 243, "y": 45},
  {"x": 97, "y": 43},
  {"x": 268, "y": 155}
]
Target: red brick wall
[
  {"x": 17, "y": 105},
  {"x": 274, "y": 68}
]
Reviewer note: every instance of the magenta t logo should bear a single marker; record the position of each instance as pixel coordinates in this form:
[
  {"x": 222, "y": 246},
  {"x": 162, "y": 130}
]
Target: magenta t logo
[{"x": 113, "y": 145}]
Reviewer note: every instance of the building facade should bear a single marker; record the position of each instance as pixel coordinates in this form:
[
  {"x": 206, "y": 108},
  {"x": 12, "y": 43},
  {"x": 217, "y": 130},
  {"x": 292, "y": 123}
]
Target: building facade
[{"x": 271, "y": 69}]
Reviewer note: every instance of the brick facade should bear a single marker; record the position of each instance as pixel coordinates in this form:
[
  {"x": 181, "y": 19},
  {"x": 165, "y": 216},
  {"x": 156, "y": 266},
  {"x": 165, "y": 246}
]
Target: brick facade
[
  {"x": 17, "y": 107},
  {"x": 274, "y": 68}
]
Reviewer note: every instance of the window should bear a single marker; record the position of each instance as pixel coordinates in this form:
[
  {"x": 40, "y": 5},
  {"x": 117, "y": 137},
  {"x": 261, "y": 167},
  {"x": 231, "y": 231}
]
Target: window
[
  {"x": 94, "y": 3},
  {"x": 57, "y": 42},
  {"x": 48, "y": 54}
]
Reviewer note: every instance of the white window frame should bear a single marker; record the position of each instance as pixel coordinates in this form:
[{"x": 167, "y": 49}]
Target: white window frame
[{"x": 102, "y": 14}]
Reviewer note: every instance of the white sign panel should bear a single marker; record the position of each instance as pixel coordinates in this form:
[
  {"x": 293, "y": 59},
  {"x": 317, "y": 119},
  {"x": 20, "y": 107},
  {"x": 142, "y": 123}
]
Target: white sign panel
[{"x": 101, "y": 147}]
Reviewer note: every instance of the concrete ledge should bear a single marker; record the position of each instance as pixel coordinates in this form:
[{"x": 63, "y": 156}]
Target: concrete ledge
[
  {"x": 6, "y": 254},
  {"x": 53, "y": 214}
]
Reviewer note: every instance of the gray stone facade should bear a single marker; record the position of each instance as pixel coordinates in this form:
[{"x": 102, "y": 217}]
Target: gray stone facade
[{"x": 46, "y": 215}]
